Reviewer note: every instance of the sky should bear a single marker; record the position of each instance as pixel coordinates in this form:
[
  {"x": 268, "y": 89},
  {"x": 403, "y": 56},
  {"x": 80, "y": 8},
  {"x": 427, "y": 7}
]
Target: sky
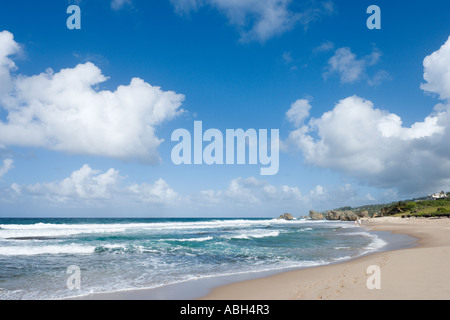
[{"x": 87, "y": 114}]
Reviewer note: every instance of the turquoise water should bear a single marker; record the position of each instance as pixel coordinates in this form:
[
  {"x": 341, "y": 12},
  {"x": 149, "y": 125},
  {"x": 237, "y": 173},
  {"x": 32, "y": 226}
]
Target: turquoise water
[{"x": 120, "y": 254}]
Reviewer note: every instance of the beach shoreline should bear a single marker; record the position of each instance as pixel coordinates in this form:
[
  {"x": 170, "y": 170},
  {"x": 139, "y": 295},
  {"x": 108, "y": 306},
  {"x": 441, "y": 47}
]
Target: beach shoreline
[
  {"x": 416, "y": 273},
  {"x": 403, "y": 267}
]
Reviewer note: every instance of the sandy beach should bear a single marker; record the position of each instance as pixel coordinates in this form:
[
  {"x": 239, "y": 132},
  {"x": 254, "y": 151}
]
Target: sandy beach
[{"x": 421, "y": 272}]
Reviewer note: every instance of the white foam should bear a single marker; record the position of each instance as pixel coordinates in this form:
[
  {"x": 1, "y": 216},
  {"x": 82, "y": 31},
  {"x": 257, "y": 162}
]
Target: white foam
[
  {"x": 50, "y": 249},
  {"x": 253, "y": 234},
  {"x": 201, "y": 239},
  {"x": 62, "y": 230},
  {"x": 376, "y": 244}
]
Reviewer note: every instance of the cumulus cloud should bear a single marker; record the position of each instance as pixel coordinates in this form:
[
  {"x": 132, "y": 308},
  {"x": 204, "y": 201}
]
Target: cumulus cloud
[
  {"x": 259, "y": 19},
  {"x": 246, "y": 194},
  {"x": 8, "y": 48},
  {"x": 298, "y": 112},
  {"x": 248, "y": 191},
  {"x": 345, "y": 63},
  {"x": 7, "y": 165},
  {"x": 351, "y": 69},
  {"x": 374, "y": 146},
  {"x": 88, "y": 185},
  {"x": 84, "y": 183},
  {"x": 94, "y": 187},
  {"x": 437, "y": 72},
  {"x": 252, "y": 190},
  {"x": 66, "y": 111},
  {"x": 158, "y": 192}
]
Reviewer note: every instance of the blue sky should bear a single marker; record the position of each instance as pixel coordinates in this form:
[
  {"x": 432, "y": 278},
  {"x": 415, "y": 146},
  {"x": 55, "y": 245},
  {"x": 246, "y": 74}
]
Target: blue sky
[{"x": 362, "y": 114}]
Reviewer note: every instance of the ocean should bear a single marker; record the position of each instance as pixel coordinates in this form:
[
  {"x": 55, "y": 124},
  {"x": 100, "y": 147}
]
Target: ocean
[{"x": 122, "y": 254}]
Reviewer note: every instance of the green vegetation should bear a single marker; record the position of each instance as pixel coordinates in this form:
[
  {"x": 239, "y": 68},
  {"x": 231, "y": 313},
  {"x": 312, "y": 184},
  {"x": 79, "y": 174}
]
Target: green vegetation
[
  {"x": 418, "y": 208},
  {"x": 372, "y": 209}
]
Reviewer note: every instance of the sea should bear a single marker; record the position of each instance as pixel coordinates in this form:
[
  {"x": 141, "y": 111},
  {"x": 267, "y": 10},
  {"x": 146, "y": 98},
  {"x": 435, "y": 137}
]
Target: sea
[{"x": 44, "y": 258}]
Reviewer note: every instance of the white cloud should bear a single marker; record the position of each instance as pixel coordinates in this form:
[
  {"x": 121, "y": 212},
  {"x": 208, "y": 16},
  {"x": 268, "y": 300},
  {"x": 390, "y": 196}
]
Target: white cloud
[
  {"x": 373, "y": 145},
  {"x": 345, "y": 63},
  {"x": 255, "y": 196},
  {"x": 259, "y": 19},
  {"x": 298, "y": 112},
  {"x": 246, "y": 193},
  {"x": 90, "y": 188},
  {"x": 245, "y": 190},
  {"x": 66, "y": 111},
  {"x": 15, "y": 188},
  {"x": 8, "y": 47},
  {"x": 255, "y": 191},
  {"x": 351, "y": 69},
  {"x": 7, "y": 165},
  {"x": 158, "y": 192},
  {"x": 437, "y": 72},
  {"x": 84, "y": 183},
  {"x": 318, "y": 191},
  {"x": 93, "y": 186}
]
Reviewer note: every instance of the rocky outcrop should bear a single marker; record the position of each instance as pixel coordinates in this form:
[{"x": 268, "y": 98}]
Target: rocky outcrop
[
  {"x": 314, "y": 215},
  {"x": 346, "y": 215},
  {"x": 363, "y": 214},
  {"x": 333, "y": 215},
  {"x": 286, "y": 216},
  {"x": 342, "y": 215}
]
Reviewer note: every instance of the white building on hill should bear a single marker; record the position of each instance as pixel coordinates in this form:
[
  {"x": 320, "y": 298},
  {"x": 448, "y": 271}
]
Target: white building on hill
[{"x": 437, "y": 196}]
